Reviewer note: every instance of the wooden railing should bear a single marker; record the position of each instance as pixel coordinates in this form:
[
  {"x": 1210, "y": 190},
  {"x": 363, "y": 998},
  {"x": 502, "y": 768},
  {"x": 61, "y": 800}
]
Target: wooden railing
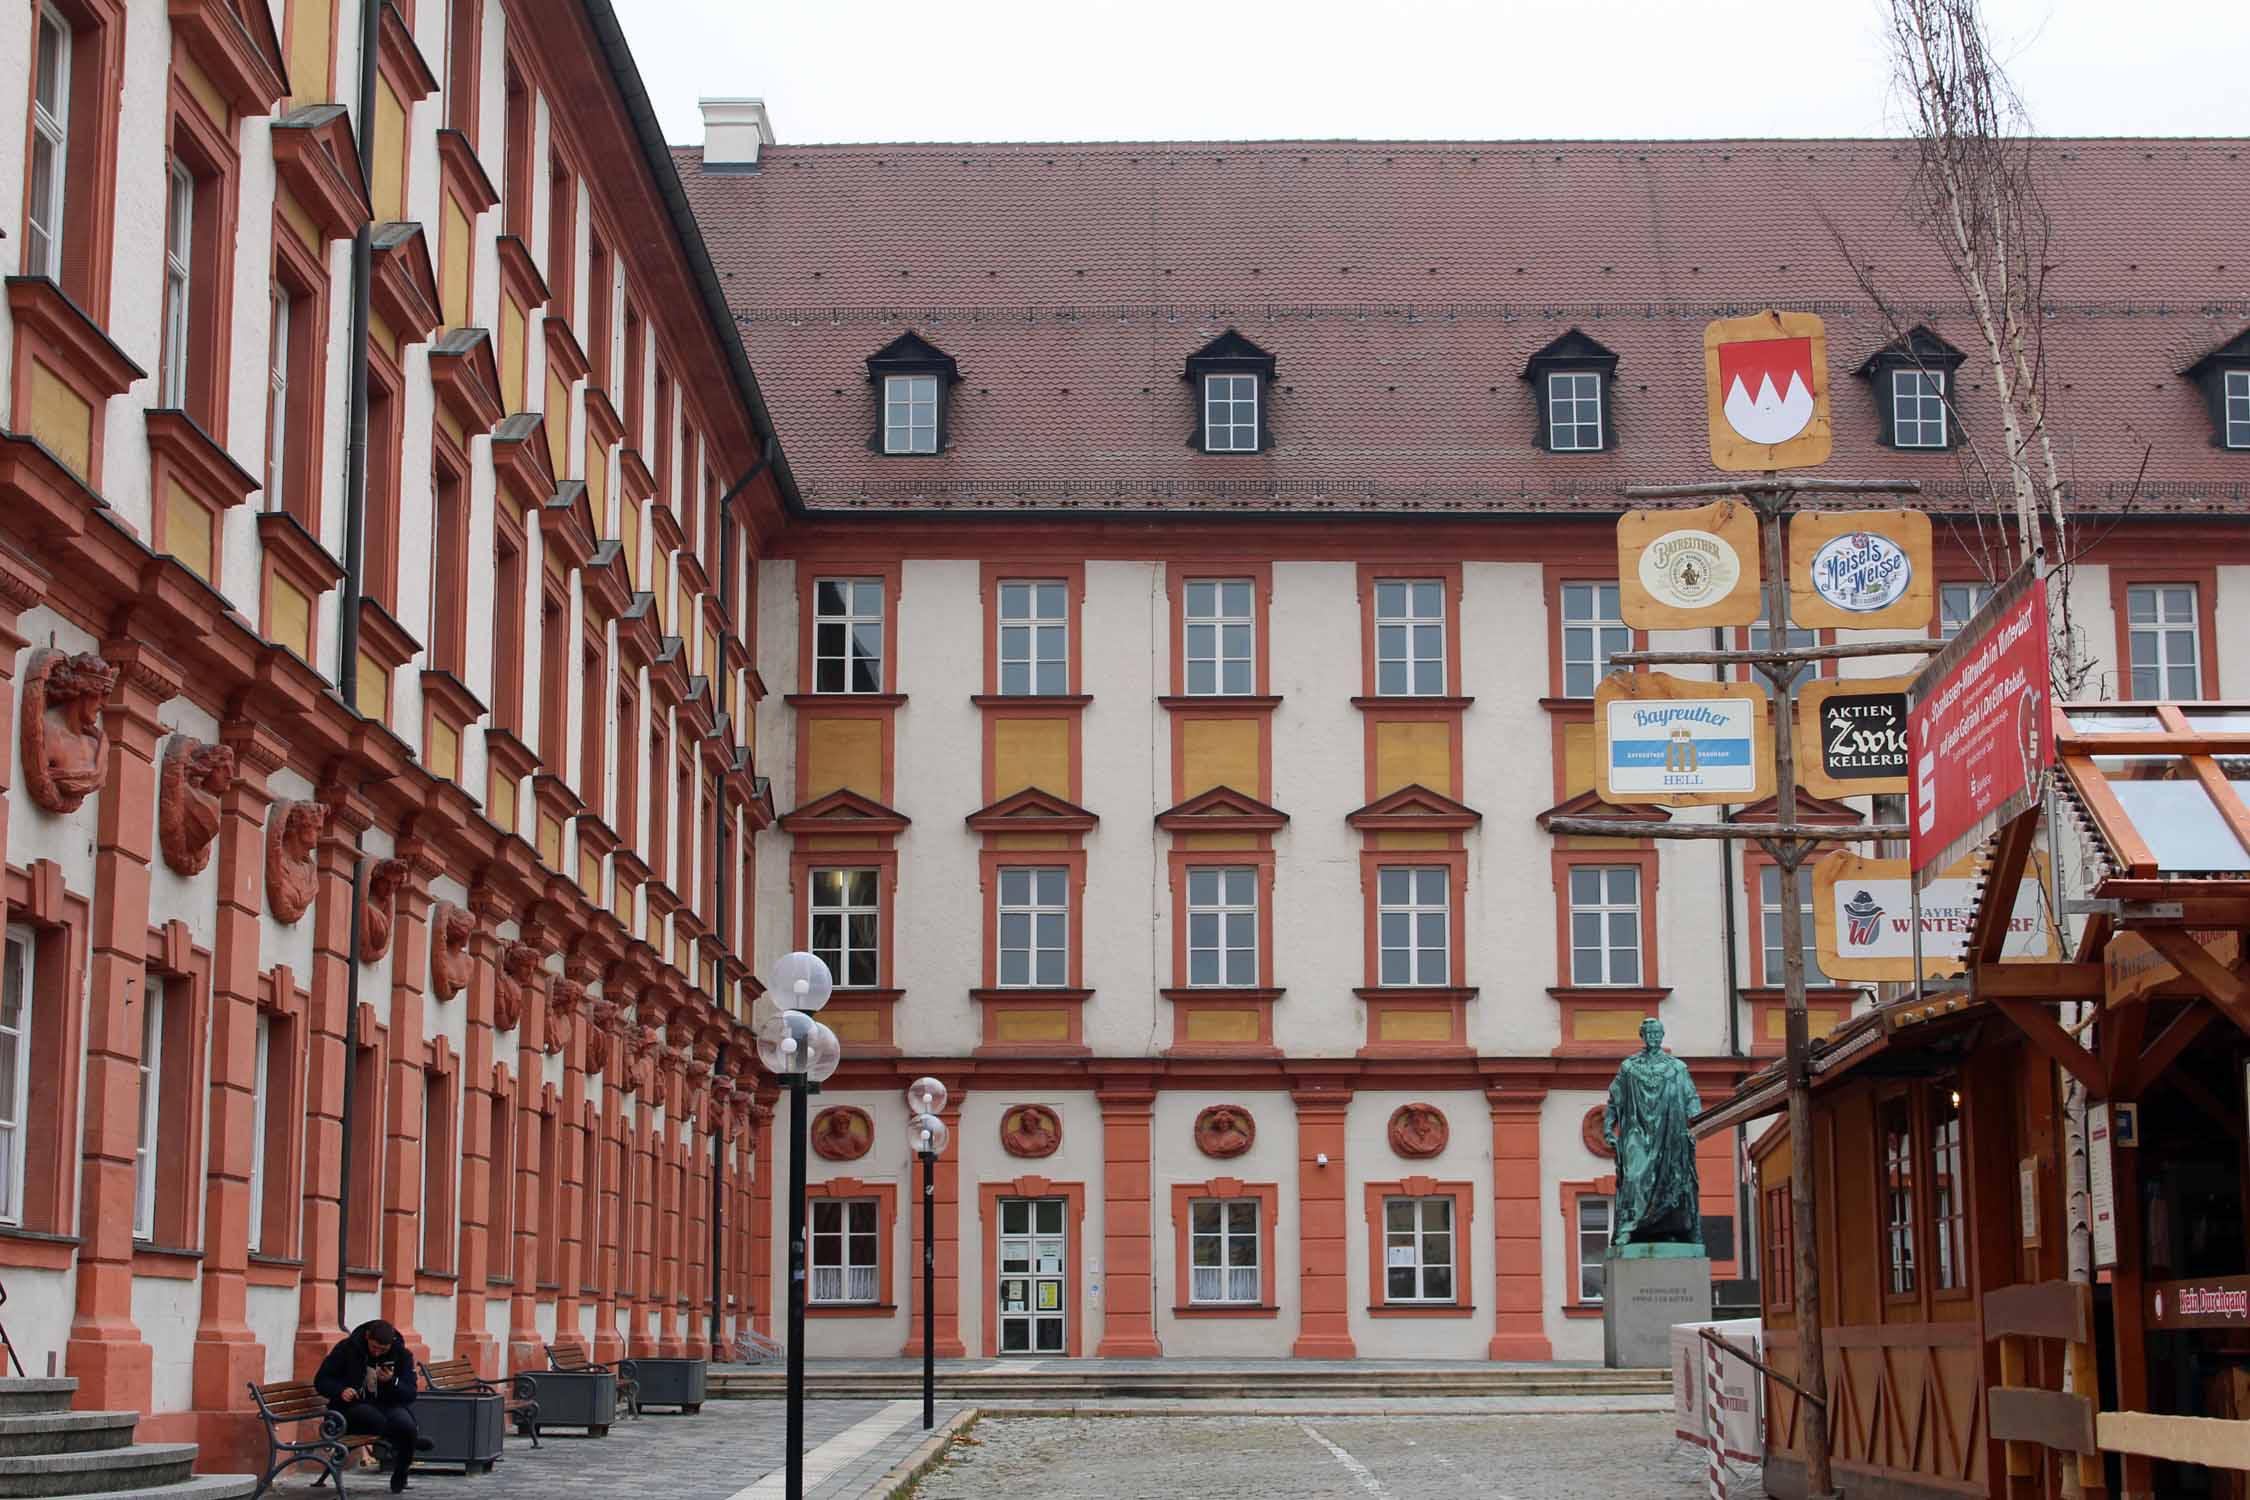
[{"x": 2031, "y": 1417}]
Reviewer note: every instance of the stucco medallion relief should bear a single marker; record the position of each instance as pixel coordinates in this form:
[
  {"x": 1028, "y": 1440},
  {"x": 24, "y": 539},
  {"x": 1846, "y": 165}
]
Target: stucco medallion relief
[
  {"x": 1030, "y": 1130},
  {"x": 1590, "y": 1130},
  {"x": 842, "y": 1133},
  {"x": 1418, "y": 1130},
  {"x": 1224, "y": 1130}
]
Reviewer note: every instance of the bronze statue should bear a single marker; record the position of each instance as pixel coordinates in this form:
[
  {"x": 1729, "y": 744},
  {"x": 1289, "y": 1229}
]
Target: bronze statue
[{"x": 1646, "y": 1126}]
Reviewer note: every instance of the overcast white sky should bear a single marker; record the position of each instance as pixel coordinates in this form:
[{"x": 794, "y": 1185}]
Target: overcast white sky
[{"x": 994, "y": 70}]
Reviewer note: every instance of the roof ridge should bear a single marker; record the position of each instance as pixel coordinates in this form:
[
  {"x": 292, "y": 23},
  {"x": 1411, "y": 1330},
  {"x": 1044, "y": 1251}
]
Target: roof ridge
[{"x": 1498, "y": 144}]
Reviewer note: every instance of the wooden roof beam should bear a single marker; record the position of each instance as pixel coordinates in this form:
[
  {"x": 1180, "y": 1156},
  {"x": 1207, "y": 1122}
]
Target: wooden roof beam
[
  {"x": 2225, "y": 988},
  {"x": 2009, "y": 856},
  {"x": 2032, "y": 1020}
]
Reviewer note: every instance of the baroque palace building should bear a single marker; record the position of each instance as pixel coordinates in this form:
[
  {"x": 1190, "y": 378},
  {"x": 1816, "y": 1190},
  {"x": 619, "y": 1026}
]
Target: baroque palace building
[
  {"x": 1145, "y": 689},
  {"x": 1206, "y": 557},
  {"x": 377, "y": 822}
]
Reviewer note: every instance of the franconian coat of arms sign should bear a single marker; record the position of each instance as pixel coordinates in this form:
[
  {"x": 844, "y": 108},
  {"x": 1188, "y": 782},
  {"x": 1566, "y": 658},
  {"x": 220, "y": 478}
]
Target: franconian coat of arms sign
[{"x": 1766, "y": 382}]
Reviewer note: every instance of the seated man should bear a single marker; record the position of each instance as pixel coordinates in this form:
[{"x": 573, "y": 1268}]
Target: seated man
[{"x": 370, "y": 1378}]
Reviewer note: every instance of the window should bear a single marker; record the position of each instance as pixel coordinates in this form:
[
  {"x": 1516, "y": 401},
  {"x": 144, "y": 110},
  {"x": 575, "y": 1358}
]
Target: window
[
  {"x": 1574, "y": 411},
  {"x": 562, "y": 240},
  {"x": 1413, "y": 925},
  {"x": 449, "y": 569},
  {"x": 50, "y": 148},
  {"x": 15, "y": 1071},
  {"x": 2160, "y": 628},
  {"x": 464, "y": 30},
  {"x": 1957, "y": 604},
  {"x": 1593, "y": 630},
  {"x": 1593, "y": 1245},
  {"x": 593, "y": 722},
  {"x": 1034, "y": 927},
  {"x": 1418, "y": 1250},
  {"x": 1219, "y": 640},
  {"x": 1769, "y": 924},
  {"x": 1898, "y": 1193},
  {"x": 516, "y": 143},
  {"x": 1230, "y": 413},
  {"x": 845, "y": 920},
  {"x": 1033, "y": 639},
  {"x": 502, "y": 1256},
  {"x": 848, "y": 635},
  {"x": 1410, "y": 638},
  {"x": 1222, "y": 937},
  {"x": 910, "y": 413},
  {"x": 554, "y": 673},
  {"x": 1948, "y": 1200},
  {"x": 1918, "y": 408},
  {"x": 277, "y": 397},
  {"x": 435, "y": 1128},
  {"x": 844, "y": 1250},
  {"x": 179, "y": 256},
  {"x": 1781, "y": 1245},
  {"x": 1223, "y": 1250},
  {"x": 1605, "y": 924},
  {"x": 2237, "y": 409},
  {"x": 507, "y": 633},
  {"x": 145, "y": 1157},
  {"x": 261, "y": 1084}
]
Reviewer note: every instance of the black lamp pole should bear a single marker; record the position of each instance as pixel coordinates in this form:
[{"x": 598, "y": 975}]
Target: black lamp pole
[
  {"x": 799, "y": 1088},
  {"x": 929, "y": 1289}
]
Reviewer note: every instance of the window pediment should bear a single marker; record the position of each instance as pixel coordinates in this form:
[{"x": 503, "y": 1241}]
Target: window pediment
[
  {"x": 1414, "y": 806},
  {"x": 844, "y": 811},
  {"x": 1222, "y": 809},
  {"x": 1589, "y": 804},
  {"x": 1032, "y": 811}
]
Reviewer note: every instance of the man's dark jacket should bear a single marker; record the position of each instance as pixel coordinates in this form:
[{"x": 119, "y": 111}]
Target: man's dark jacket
[{"x": 346, "y": 1369}]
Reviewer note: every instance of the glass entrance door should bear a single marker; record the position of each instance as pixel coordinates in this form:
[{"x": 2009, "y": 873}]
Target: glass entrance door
[{"x": 1032, "y": 1245}]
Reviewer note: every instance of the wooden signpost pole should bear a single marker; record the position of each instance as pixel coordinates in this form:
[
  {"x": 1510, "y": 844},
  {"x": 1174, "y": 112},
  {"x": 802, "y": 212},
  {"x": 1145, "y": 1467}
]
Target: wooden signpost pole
[{"x": 1791, "y": 845}]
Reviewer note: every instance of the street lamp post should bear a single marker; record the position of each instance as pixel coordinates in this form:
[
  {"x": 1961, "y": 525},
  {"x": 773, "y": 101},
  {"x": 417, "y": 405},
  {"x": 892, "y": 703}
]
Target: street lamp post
[
  {"x": 925, "y": 1097},
  {"x": 802, "y": 1053}
]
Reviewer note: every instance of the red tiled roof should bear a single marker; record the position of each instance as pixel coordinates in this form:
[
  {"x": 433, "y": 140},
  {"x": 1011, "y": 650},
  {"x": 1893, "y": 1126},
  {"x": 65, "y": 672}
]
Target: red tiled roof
[{"x": 1400, "y": 288}]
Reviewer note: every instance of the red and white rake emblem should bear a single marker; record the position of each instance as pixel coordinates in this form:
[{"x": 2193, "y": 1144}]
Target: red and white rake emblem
[{"x": 1768, "y": 388}]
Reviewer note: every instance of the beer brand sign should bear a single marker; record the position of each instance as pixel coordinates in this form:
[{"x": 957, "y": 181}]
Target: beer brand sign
[
  {"x": 1681, "y": 569},
  {"x": 1679, "y": 743},
  {"x": 1766, "y": 385},
  {"x": 1863, "y": 919},
  {"x": 1851, "y": 736},
  {"x": 1860, "y": 570}
]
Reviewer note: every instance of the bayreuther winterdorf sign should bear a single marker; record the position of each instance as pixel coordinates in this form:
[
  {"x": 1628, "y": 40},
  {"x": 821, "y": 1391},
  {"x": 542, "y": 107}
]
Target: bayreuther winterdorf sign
[
  {"x": 1863, "y": 918},
  {"x": 1977, "y": 726}
]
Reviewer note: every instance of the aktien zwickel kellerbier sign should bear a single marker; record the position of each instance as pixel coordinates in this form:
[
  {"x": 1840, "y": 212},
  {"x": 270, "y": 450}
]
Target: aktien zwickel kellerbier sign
[
  {"x": 1859, "y": 570},
  {"x": 1851, "y": 736},
  {"x": 1680, "y": 569}
]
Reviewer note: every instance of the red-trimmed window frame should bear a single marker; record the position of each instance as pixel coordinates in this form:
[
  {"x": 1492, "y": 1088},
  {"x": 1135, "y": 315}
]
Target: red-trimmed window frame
[
  {"x": 97, "y": 69},
  {"x": 630, "y": 751},
  {"x": 1448, "y": 575},
  {"x": 1259, "y": 573},
  {"x": 510, "y": 563},
  {"x": 386, "y": 400},
  {"x": 1552, "y": 578},
  {"x": 302, "y": 278},
  {"x": 1755, "y": 862},
  {"x": 601, "y": 291},
  {"x": 1073, "y": 864},
  {"x": 684, "y": 820},
  {"x": 884, "y": 862},
  {"x": 562, "y": 231},
  {"x": 207, "y": 152},
  {"x": 1738, "y": 639},
  {"x": 1464, "y": 1196},
  {"x": 1073, "y": 1195},
  {"x": 1185, "y": 1195},
  {"x": 884, "y": 1195},
  {"x": 1641, "y": 854},
  {"x": 1574, "y": 1306},
  {"x": 1455, "y": 861},
  {"x": 2123, "y": 578},
  {"x": 1261, "y": 863},
  {"x": 515, "y": 188},
  {"x": 449, "y": 559},
  {"x": 657, "y": 841},
  {"x": 183, "y": 971},
  {"x": 554, "y": 667},
  {"x": 594, "y": 701},
  {"x": 464, "y": 66},
  {"x": 809, "y": 575},
  {"x": 281, "y": 1005},
  {"x": 441, "y": 1131},
  {"x": 636, "y": 365},
  {"x": 1071, "y": 574}
]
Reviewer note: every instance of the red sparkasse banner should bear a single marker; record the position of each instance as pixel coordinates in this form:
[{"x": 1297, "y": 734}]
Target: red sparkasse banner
[{"x": 1977, "y": 726}]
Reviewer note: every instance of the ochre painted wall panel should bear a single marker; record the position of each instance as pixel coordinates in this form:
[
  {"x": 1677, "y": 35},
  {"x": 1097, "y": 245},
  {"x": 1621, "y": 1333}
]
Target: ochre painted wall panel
[
  {"x": 1413, "y": 753},
  {"x": 1030, "y": 752},
  {"x": 1218, "y": 752},
  {"x": 843, "y": 753}
]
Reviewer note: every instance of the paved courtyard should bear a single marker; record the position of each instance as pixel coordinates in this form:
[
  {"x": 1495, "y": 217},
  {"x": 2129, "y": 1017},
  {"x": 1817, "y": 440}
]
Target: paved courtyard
[
  {"x": 1626, "y": 1456},
  {"x": 730, "y": 1449}
]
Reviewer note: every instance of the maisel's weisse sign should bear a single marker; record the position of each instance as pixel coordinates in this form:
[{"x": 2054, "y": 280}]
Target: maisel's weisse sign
[{"x": 1977, "y": 725}]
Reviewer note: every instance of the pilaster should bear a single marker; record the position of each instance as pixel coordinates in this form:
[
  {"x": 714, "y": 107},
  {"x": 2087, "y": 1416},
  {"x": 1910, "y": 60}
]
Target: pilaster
[
  {"x": 408, "y": 1066},
  {"x": 1128, "y": 1260},
  {"x": 319, "y": 1313},
  {"x": 945, "y": 1263},
  {"x": 472, "y": 1338},
  {"x": 1324, "y": 1328},
  {"x": 1519, "y": 1330}
]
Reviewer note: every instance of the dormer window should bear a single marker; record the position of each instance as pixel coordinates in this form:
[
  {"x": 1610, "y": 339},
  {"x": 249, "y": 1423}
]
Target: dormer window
[
  {"x": 913, "y": 381},
  {"x": 2223, "y": 375},
  {"x": 1230, "y": 377},
  {"x": 1912, "y": 378},
  {"x": 1570, "y": 383}
]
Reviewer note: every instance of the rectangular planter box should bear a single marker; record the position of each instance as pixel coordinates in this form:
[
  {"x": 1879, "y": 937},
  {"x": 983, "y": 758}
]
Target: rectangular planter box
[
  {"x": 572, "y": 1399},
  {"x": 465, "y": 1425},
  {"x": 672, "y": 1382}
]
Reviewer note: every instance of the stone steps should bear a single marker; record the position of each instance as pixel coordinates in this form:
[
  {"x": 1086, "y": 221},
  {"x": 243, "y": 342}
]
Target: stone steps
[
  {"x": 48, "y": 1449},
  {"x": 1063, "y": 1385}
]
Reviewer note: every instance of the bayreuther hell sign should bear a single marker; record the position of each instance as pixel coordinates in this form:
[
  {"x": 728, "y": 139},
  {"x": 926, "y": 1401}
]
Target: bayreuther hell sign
[{"x": 1766, "y": 382}]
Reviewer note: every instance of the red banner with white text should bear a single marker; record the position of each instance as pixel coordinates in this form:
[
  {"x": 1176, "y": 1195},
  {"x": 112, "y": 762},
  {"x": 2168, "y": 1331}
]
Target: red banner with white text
[{"x": 1978, "y": 728}]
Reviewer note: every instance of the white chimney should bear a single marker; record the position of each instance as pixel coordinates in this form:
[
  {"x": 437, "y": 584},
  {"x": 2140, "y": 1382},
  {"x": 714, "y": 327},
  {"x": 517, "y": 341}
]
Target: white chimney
[{"x": 734, "y": 131}]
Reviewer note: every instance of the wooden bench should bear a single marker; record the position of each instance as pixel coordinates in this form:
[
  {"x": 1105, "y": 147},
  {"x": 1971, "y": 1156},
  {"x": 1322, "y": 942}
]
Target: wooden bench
[
  {"x": 459, "y": 1375},
  {"x": 574, "y": 1362},
  {"x": 320, "y": 1439}
]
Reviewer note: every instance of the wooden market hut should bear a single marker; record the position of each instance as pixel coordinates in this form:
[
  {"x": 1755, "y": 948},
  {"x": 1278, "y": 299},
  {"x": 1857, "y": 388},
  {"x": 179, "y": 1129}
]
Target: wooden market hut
[{"x": 1939, "y": 1146}]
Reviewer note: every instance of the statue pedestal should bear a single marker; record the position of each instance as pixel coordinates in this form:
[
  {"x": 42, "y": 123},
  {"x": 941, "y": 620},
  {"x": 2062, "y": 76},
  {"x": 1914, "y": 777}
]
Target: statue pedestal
[{"x": 1645, "y": 1290}]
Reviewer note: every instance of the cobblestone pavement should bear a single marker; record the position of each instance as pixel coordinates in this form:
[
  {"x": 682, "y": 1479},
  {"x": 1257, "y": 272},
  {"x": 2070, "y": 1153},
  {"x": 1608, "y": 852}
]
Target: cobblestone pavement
[
  {"x": 726, "y": 1450},
  {"x": 1607, "y": 1457}
]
